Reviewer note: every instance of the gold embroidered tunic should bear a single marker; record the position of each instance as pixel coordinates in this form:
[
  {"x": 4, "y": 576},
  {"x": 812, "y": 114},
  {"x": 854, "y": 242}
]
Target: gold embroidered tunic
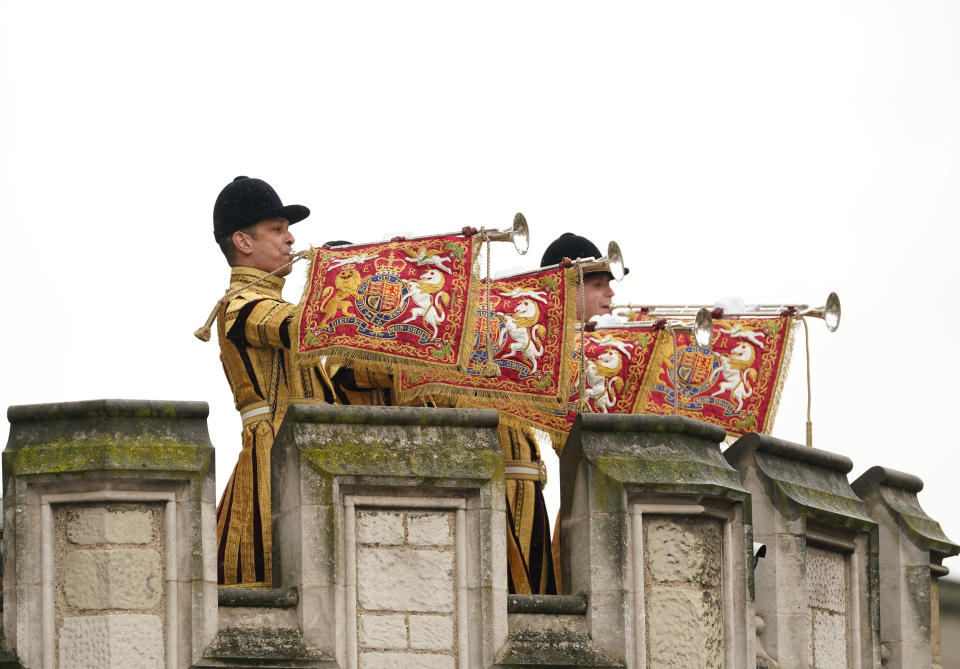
[
  {"x": 530, "y": 561},
  {"x": 254, "y": 329}
]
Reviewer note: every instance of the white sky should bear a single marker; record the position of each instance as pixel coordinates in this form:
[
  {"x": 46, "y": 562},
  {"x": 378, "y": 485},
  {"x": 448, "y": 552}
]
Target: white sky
[{"x": 771, "y": 150}]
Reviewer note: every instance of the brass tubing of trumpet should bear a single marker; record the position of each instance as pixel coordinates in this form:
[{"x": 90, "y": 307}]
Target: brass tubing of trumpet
[
  {"x": 689, "y": 310},
  {"x": 499, "y": 235},
  {"x": 593, "y": 265},
  {"x": 465, "y": 231},
  {"x": 684, "y": 327},
  {"x": 667, "y": 307}
]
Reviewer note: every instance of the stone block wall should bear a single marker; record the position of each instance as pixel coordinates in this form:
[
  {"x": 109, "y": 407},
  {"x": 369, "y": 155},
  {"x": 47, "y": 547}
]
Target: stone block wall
[
  {"x": 827, "y": 595},
  {"x": 110, "y": 596},
  {"x": 407, "y": 588},
  {"x": 682, "y": 557}
]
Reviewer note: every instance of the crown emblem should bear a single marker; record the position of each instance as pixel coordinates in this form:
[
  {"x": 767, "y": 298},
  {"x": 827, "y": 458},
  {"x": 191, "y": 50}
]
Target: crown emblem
[{"x": 391, "y": 265}]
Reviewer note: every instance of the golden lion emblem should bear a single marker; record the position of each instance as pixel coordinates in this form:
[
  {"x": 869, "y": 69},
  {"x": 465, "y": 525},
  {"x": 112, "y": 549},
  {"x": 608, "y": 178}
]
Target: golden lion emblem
[{"x": 337, "y": 299}]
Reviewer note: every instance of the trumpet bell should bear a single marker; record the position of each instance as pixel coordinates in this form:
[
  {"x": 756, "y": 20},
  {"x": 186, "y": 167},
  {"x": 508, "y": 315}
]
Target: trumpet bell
[
  {"x": 615, "y": 260},
  {"x": 612, "y": 262},
  {"x": 703, "y": 328},
  {"x": 831, "y": 312},
  {"x": 518, "y": 233}
]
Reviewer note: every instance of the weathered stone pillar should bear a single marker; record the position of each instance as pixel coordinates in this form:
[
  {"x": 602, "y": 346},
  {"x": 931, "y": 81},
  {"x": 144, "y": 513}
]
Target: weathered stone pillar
[
  {"x": 912, "y": 549},
  {"x": 109, "y": 541},
  {"x": 816, "y": 589},
  {"x": 655, "y": 530},
  {"x": 390, "y": 522}
]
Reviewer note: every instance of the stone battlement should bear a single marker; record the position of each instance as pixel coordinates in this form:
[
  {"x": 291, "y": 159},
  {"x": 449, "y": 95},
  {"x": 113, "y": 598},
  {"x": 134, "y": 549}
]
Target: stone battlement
[{"x": 389, "y": 548}]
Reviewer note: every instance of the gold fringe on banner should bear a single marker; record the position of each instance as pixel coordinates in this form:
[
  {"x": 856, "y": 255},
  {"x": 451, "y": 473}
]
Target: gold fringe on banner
[{"x": 792, "y": 327}]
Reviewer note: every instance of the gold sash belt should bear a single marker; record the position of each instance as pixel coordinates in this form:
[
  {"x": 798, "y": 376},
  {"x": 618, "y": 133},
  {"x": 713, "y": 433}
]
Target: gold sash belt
[
  {"x": 524, "y": 470},
  {"x": 256, "y": 414}
]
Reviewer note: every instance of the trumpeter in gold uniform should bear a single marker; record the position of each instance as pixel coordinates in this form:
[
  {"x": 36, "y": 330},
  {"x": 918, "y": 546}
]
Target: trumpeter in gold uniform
[{"x": 254, "y": 329}]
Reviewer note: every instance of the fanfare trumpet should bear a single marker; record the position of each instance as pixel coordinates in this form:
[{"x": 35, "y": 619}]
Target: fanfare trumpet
[
  {"x": 701, "y": 327},
  {"x": 518, "y": 233},
  {"x": 830, "y": 312},
  {"x": 612, "y": 262}
]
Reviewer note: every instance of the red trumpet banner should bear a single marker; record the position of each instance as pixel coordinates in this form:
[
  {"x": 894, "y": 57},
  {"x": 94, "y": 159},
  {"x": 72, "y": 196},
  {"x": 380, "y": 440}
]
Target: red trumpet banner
[
  {"x": 530, "y": 327},
  {"x": 735, "y": 384},
  {"x": 617, "y": 362},
  {"x": 401, "y": 303}
]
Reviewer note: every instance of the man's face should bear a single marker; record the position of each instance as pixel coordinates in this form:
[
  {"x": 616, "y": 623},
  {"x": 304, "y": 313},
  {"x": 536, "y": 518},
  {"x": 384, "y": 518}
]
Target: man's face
[
  {"x": 269, "y": 246},
  {"x": 597, "y": 295}
]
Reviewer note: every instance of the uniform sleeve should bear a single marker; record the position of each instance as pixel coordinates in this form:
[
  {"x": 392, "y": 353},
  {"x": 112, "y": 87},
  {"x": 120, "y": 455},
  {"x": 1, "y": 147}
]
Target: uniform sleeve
[
  {"x": 362, "y": 386},
  {"x": 262, "y": 322}
]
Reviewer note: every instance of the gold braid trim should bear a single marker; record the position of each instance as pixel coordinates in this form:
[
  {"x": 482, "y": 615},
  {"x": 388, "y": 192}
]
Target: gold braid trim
[
  {"x": 571, "y": 336},
  {"x": 791, "y": 326},
  {"x": 510, "y": 420},
  {"x": 516, "y": 564},
  {"x": 526, "y": 400}
]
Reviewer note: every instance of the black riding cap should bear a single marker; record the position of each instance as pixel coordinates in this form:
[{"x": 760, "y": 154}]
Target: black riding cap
[
  {"x": 245, "y": 202},
  {"x": 569, "y": 245}
]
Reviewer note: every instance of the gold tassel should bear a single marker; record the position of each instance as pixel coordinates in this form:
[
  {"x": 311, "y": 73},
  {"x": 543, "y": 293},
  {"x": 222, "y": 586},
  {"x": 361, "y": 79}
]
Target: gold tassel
[
  {"x": 583, "y": 406},
  {"x": 203, "y": 333},
  {"x": 491, "y": 370}
]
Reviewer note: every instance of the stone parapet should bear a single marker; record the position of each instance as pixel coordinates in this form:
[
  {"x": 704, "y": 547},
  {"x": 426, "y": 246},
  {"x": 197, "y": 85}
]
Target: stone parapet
[
  {"x": 655, "y": 528},
  {"x": 389, "y": 548},
  {"x": 390, "y": 523},
  {"x": 912, "y": 548},
  {"x": 816, "y": 589},
  {"x": 109, "y": 555}
]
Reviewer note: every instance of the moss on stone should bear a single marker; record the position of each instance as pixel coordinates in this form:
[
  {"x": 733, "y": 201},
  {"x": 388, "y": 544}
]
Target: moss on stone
[
  {"x": 355, "y": 456},
  {"x": 659, "y": 471},
  {"x": 108, "y": 454},
  {"x": 551, "y": 649},
  {"x": 847, "y": 511},
  {"x": 261, "y": 644}
]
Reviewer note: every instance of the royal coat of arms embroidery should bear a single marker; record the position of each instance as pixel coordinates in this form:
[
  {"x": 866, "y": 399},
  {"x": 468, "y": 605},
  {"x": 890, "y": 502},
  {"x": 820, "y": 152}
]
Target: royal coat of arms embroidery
[
  {"x": 735, "y": 384},
  {"x": 403, "y": 303}
]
